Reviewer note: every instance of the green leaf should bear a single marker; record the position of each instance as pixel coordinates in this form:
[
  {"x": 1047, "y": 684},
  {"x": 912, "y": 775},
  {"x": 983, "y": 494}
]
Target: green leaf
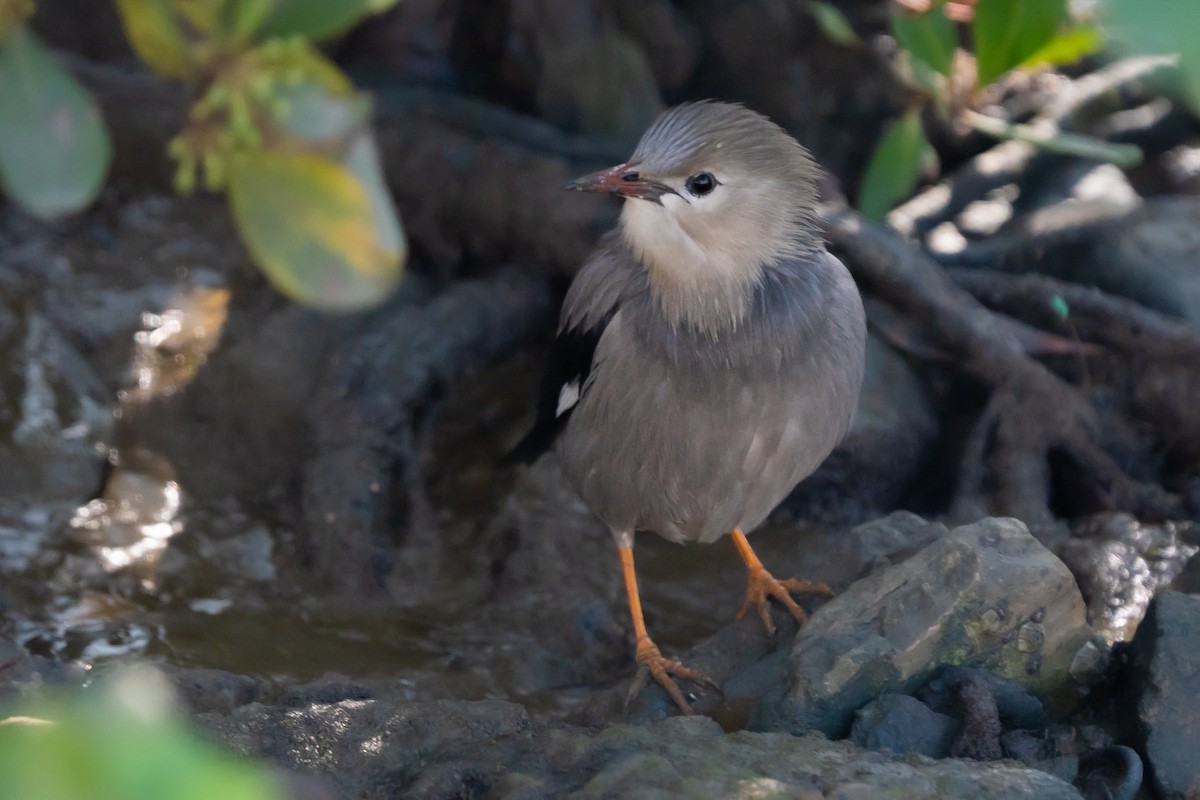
[
  {"x": 1067, "y": 47},
  {"x": 241, "y": 19},
  {"x": 930, "y": 37},
  {"x": 1161, "y": 27},
  {"x": 154, "y": 30},
  {"x": 54, "y": 148},
  {"x": 99, "y": 744},
  {"x": 315, "y": 229},
  {"x": 894, "y": 167},
  {"x": 319, "y": 19},
  {"x": 833, "y": 24},
  {"x": 1009, "y": 31}
]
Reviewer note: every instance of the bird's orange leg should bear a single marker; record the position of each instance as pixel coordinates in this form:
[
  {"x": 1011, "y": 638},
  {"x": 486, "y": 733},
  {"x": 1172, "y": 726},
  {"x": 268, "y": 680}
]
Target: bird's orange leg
[
  {"x": 762, "y": 584},
  {"x": 651, "y": 662}
]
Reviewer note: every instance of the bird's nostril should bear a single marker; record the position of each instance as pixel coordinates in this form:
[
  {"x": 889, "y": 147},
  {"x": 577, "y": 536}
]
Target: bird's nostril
[{"x": 630, "y": 177}]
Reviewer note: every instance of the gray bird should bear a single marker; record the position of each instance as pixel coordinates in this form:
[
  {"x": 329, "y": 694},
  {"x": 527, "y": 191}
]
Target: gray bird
[{"x": 710, "y": 351}]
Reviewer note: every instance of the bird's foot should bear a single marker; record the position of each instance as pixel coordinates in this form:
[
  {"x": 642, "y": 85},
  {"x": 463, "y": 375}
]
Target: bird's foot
[
  {"x": 653, "y": 664},
  {"x": 762, "y": 585}
]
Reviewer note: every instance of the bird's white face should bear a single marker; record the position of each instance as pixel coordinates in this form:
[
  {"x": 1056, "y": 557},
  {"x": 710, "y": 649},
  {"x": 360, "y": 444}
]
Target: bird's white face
[{"x": 705, "y": 244}]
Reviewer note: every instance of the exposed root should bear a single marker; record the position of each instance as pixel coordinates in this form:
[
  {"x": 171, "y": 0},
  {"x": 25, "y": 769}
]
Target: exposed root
[{"x": 1036, "y": 426}]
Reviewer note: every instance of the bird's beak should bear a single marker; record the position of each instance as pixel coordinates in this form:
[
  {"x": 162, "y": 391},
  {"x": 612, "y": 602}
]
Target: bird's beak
[{"x": 624, "y": 180}]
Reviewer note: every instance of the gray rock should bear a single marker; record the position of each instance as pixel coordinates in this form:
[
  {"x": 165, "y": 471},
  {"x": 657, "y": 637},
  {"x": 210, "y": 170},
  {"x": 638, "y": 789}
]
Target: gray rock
[
  {"x": 1164, "y": 677},
  {"x": 376, "y": 749},
  {"x": 903, "y": 724},
  {"x": 1110, "y": 773},
  {"x": 987, "y": 595}
]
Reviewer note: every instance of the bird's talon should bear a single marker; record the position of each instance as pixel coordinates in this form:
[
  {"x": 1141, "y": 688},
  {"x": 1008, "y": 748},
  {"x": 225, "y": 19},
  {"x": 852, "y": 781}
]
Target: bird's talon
[
  {"x": 761, "y": 585},
  {"x": 652, "y": 663}
]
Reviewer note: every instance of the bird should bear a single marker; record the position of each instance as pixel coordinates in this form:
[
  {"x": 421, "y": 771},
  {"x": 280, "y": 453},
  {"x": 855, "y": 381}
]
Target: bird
[{"x": 709, "y": 353}]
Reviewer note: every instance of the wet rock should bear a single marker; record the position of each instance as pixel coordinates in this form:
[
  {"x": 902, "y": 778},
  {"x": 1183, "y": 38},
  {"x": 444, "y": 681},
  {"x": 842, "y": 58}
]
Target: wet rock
[
  {"x": 55, "y": 414},
  {"x": 1121, "y": 562},
  {"x": 373, "y": 749},
  {"x": 987, "y": 594},
  {"x": 16, "y": 668},
  {"x": 204, "y": 690},
  {"x": 1109, "y": 773},
  {"x": 1163, "y": 679},
  {"x": 903, "y": 724},
  {"x": 893, "y": 430}
]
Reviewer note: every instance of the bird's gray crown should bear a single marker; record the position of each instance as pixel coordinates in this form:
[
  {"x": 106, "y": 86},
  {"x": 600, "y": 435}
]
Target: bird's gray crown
[
  {"x": 698, "y": 135},
  {"x": 706, "y": 252}
]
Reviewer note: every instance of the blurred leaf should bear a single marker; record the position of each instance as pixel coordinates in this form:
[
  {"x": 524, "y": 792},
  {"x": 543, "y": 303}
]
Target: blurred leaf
[
  {"x": 833, "y": 24},
  {"x": 1161, "y": 27},
  {"x": 363, "y": 162},
  {"x": 242, "y": 18},
  {"x": 894, "y": 167},
  {"x": 157, "y": 36},
  {"x": 314, "y": 114},
  {"x": 203, "y": 15},
  {"x": 103, "y": 745},
  {"x": 314, "y": 229},
  {"x": 930, "y": 36},
  {"x": 1067, "y": 47},
  {"x": 1009, "y": 31},
  {"x": 319, "y": 19},
  {"x": 13, "y": 14},
  {"x": 54, "y": 148}
]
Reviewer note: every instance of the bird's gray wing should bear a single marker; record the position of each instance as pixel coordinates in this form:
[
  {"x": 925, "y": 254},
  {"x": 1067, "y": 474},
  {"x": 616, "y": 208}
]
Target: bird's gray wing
[{"x": 591, "y": 302}]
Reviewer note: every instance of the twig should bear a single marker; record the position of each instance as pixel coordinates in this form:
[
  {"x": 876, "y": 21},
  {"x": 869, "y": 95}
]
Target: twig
[{"x": 1046, "y": 136}]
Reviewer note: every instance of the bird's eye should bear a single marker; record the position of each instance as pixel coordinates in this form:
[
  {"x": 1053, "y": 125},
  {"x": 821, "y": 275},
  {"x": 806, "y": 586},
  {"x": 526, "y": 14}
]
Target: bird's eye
[
  {"x": 631, "y": 177},
  {"x": 701, "y": 184}
]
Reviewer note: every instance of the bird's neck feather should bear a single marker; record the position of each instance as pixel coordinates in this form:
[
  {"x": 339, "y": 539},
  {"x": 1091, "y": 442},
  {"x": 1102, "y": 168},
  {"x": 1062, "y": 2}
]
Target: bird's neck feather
[{"x": 705, "y": 278}]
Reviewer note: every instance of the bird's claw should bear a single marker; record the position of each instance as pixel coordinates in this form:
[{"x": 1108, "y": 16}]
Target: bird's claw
[
  {"x": 652, "y": 663},
  {"x": 761, "y": 585}
]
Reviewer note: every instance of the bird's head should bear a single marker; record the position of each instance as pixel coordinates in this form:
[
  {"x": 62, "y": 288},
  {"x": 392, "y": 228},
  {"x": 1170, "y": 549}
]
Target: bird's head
[{"x": 717, "y": 194}]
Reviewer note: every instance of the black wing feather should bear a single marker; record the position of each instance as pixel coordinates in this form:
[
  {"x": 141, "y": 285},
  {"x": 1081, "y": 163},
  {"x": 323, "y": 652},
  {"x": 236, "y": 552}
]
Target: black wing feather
[{"x": 570, "y": 361}]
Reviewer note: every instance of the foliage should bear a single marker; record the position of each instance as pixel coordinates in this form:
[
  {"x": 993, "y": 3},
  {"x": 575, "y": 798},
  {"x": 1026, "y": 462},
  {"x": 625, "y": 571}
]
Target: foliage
[
  {"x": 1161, "y": 27},
  {"x": 895, "y": 165},
  {"x": 54, "y": 149},
  {"x": 119, "y": 739},
  {"x": 950, "y": 50},
  {"x": 275, "y": 124}
]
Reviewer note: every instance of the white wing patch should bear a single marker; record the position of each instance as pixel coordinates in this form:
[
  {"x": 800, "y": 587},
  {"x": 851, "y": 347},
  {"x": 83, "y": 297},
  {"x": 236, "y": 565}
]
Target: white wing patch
[{"x": 568, "y": 396}]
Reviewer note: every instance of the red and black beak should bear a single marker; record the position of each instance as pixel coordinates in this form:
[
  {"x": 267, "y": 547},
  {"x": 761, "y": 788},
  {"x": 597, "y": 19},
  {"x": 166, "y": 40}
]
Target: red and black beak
[{"x": 623, "y": 180}]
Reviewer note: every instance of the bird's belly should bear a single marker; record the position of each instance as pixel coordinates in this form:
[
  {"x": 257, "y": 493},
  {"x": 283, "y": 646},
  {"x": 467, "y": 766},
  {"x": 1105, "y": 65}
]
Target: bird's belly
[{"x": 691, "y": 462}]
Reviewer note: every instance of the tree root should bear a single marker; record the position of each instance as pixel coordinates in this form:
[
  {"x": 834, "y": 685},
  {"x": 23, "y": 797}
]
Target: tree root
[{"x": 1037, "y": 431}]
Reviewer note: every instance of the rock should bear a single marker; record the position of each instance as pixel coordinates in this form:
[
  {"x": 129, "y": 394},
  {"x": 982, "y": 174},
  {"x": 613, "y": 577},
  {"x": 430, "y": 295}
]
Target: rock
[
  {"x": 489, "y": 748},
  {"x": 903, "y": 724},
  {"x": 1015, "y": 706},
  {"x": 893, "y": 430},
  {"x": 1163, "y": 678},
  {"x": 1109, "y": 773},
  {"x": 214, "y": 689},
  {"x": 987, "y": 595},
  {"x": 1120, "y": 563}
]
